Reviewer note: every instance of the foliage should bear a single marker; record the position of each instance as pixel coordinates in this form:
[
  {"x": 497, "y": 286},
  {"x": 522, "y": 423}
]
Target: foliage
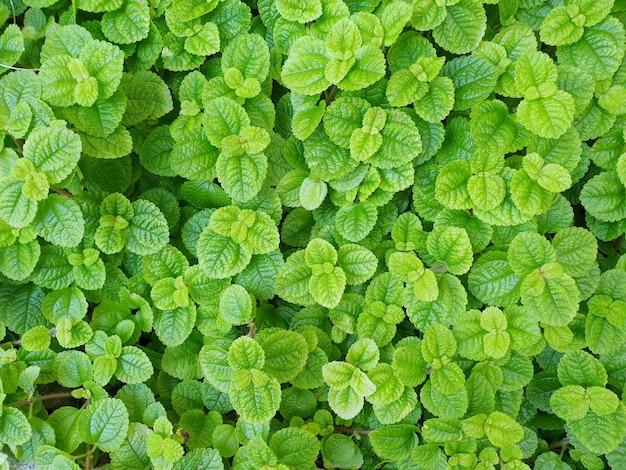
[{"x": 298, "y": 234}]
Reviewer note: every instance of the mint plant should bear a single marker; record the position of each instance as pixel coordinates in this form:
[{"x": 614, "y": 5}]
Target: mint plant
[{"x": 279, "y": 234}]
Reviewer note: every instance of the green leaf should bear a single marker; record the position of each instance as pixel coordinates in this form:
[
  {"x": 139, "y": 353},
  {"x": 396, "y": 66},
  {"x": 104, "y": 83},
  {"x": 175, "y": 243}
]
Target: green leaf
[
  {"x": 554, "y": 300},
  {"x": 529, "y": 251},
  {"x": 342, "y": 117},
  {"x": 129, "y": 24},
  {"x": 147, "y": 97},
  {"x": 394, "y": 442},
  {"x": 18, "y": 260},
  {"x": 438, "y": 342},
  {"x": 222, "y": 118},
  {"x": 174, "y": 326},
  {"x": 600, "y": 433},
  {"x": 569, "y": 402},
  {"x": 60, "y": 221},
  {"x": 285, "y": 354},
  {"x": 358, "y": 263},
  {"x": 15, "y": 429},
  {"x": 11, "y": 46},
  {"x": 327, "y": 287},
  {"x": 598, "y": 52},
  {"x": 463, "y": 27},
  {"x": 245, "y": 353},
  {"x": 441, "y": 431},
  {"x": 295, "y": 447},
  {"x": 255, "y": 395},
  {"x": 435, "y": 105},
  {"x": 303, "y": 71},
  {"x": 581, "y": 368},
  {"x": 576, "y": 250},
  {"x": 148, "y": 230},
  {"x": 346, "y": 403},
  {"x": 451, "y": 246},
  {"x": 558, "y": 29},
  {"x": 502, "y": 430},
  {"x": 548, "y": 117},
  {"x": 340, "y": 451},
  {"x": 54, "y": 150},
  {"x": 292, "y": 282},
  {"x": 296, "y": 11},
  {"x": 474, "y": 79},
  {"x": 363, "y": 354},
  {"x": 221, "y": 256},
  {"x": 133, "y": 366},
  {"x": 104, "y": 423},
  {"x": 451, "y": 187},
  {"x": 236, "y": 305},
  {"x": 604, "y": 197},
  {"x": 242, "y": 176},
  {"x": 355, "y": 221}
]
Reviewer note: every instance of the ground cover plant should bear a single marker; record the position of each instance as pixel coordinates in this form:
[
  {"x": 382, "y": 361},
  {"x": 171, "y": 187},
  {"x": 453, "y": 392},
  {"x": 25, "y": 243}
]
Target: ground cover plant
[{"x": 313, "y": 234}]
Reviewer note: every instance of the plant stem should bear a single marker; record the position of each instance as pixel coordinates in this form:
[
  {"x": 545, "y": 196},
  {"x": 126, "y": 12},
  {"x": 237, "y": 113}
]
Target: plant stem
[
  {"x": 331, "y": 94},
  {"x": 52, "y": 396},
  {"x": 347, "y": 430},
  {"x": 63, "y": 192}
]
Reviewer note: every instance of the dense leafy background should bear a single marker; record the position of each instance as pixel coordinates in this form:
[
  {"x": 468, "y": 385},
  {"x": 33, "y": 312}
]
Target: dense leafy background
[{"x": 288, "y": 234}]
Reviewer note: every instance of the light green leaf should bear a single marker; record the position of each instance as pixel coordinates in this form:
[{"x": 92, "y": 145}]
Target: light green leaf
[
  {"x": 346, "y": 402},
  {"x": 569, "y": 402},
  {"x": 236, "y": 305},
  {"x": 60, "y": 221},
  {"x": 148, "y": 230},
  {"x": 295, "y": 447},
  {"x": 174, "y": 326},
  {"x": 463, "y": 28},
  {"x": 242, "y": 176},
  {"x": 327, "y": 287},
  {"x": 302, "y": 12},
  {"x": 285, "y": 354},
  {"x": 558, "y": 29},
  {"x": 17, "y": 261},
  {"x": 220, "y": 256},
  {"x": 358, "y": 263},
  {"x": 292, "y": 282},
  {"x": 598, "y": 52},
  {"x": 11, "y": 46},
  {"x": 576, "y": 250},
  {"x": 529, "y": 251},
  {"x": 133, "y": 366},
  {"x": 355, "y": 221},
  {"x": 255, "y": 395},
  {"x": 223, "y": 117},
  {"x": 104, "y": 423},
  {"x": 394, "y": 442},
  {"x": 604, "y": 197},
  {"x": 451, "y": 246},
  {"x": 548, "y": 117},
  {"x": 502, "y": 430},
  {"x": 15, "y": 429},
  {"x": 54, "y": 150},
  {"x": 303, "y": 71},
  {"x": 129, "y": 24},
  {"x": 581, "y": 368},
  {"x": 246, "y": 353},
  {"x": 437, "y": 103}
]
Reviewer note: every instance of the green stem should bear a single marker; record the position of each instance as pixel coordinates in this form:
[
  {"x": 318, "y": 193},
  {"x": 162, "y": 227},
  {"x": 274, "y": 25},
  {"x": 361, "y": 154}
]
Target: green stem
[
  {"x": 63, "y": 192},
  {"x": 331, "y": 94},
  {"x": 52, "y": 396},
  {"x": 347, "y": 430}
]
